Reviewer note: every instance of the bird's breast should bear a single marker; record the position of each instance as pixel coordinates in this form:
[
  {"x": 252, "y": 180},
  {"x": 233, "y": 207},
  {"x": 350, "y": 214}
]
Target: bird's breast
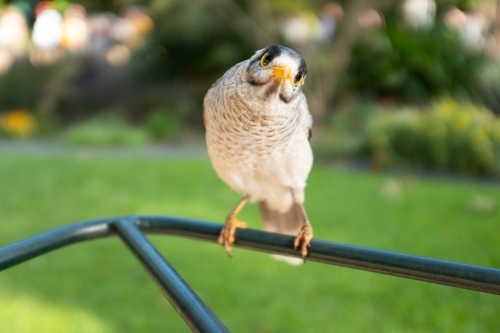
[{"x": 251, "y": 145}]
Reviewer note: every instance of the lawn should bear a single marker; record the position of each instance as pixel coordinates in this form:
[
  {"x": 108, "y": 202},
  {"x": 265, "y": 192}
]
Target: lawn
[{"x": 100, "y": 287}]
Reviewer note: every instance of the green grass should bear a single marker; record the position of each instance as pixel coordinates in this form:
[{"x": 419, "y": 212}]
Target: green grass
[
  {"x": 107, "y": 132},
  {"x": 99, "y": 286}
]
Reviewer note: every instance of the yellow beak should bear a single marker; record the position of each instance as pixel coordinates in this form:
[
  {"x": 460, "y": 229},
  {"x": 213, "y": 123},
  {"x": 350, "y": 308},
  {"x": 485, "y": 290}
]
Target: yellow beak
[{"x": 282, "y": 72}]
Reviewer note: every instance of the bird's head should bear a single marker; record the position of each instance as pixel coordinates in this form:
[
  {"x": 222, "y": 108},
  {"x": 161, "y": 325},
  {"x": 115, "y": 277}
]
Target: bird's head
[{"x": 276, "y": 72}]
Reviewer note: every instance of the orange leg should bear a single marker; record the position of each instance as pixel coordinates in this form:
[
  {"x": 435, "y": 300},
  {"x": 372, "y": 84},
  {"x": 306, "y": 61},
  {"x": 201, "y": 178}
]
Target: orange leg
[
  {"x": 303, "y": 239},
  {"x": 226, "y": 237}
]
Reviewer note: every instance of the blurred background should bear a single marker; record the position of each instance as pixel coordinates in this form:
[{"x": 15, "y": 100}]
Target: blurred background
[
  {"x": 413, "y": 83},
  {"x": 101, "y": 115}
]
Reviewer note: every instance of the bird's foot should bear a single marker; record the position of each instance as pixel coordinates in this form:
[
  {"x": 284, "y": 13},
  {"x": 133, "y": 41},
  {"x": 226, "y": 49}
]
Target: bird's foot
[
  {"x": 303, "y": 239},
  {"x": 226, "y": 237}
]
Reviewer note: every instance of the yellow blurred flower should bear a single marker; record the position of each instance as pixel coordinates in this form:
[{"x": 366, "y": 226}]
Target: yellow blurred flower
[
  {"x": 461, "y": 122},
  {"x": 446, "y": 108},
  {"x": 18, "y": 123}
]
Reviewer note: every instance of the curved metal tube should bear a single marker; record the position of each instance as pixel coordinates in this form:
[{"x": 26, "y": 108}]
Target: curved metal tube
[
  {"x": 193, "y": 310},
  {"x": 444, "y": 272},
  {"x": 35, "y": 246}
]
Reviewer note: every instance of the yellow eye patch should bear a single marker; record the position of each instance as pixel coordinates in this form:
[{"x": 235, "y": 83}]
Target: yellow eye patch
[
  {"x": 265, "y": 59},
  {"x": 299, "y": 78}
]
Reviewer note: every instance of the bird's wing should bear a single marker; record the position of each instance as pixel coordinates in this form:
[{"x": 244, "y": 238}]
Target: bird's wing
[
  {"x": 209, "y": 97},
  {"x": 307, "y": 120},
  {"x": 206, "y": 105}
]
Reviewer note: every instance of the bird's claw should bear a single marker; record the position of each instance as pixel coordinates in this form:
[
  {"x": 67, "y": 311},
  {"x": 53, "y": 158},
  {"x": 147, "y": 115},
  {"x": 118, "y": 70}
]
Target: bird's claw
[
  {"x": 303, "y": 239},
  {"x": 226, "y": 237}
]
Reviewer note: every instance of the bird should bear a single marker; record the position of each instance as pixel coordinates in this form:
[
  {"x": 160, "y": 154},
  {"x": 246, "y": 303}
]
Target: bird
[{"x": 258, "y": 131}]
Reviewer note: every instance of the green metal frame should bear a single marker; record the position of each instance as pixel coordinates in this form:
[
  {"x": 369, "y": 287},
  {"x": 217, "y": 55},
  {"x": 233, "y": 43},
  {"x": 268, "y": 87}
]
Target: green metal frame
[{"x": 198, "y": 316}]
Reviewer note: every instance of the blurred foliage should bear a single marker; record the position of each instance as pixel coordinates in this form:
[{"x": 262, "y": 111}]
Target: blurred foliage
[
  {"x": 75, "y": 90},
  {"x": 448, "y": 136},
  {"x": 345, "y": 137},
  {"x": 104, "y": 132},
  {"x": 24, "y": 85},
  {"x": 192, "y": 38},
  {"x": 462, "y": 4},
  {"x": 162, "y": 123},
  {"x": 413, "y": 65},
  {"x": 487, "y": 86},
  {"x": 194, "y": 43}
]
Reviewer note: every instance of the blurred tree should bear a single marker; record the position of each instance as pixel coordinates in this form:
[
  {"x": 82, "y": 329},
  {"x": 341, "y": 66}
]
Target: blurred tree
[
  {"x": 196, "y": 42},
  {"x": 96, "y": 5},
  {"x": 328, "y": 60},
  {"x": 413, "y": 65},
  {"x": 461, "y": 4}
]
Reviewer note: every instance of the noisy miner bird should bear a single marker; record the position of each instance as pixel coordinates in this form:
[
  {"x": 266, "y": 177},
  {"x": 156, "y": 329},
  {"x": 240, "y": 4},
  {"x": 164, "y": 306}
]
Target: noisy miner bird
[{"x": 258, "y": 128}]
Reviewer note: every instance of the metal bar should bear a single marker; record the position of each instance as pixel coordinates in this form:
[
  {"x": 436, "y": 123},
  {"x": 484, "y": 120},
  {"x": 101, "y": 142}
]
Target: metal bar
[
  {"x": 449, "y": 273},
  {"x": 32, "y": 247},
  {"x": 478, "y": 278},
  {"x": 194, "y": 311}
]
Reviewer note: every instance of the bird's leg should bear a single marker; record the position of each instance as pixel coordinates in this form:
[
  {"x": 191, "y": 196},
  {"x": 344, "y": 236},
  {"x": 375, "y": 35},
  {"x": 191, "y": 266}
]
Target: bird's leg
[
  {"x": 303, "y": 239},
  {"x": 305, "y": 235},
  {"x": 226, "y": 236}
]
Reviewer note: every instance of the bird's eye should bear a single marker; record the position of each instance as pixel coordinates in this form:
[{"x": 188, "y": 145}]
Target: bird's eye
[
  {"x": 299, "y": 78},
  {"x": 266, "y": 59}
]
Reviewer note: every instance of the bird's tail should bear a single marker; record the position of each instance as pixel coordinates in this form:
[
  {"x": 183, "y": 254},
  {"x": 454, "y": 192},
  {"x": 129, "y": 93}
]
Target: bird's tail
[{"x": 288, "y": 223}]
